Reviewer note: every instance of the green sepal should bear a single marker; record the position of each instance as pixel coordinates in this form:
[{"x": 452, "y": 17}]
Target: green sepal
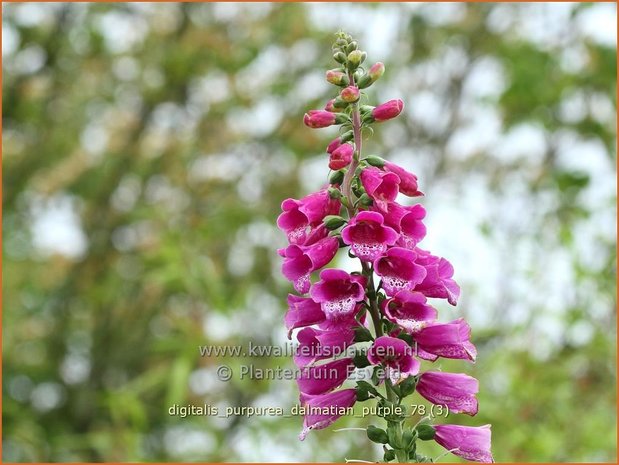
[
  {"x": 333, "y": 221},
  {"x": 425, "y": 432},
  {"x": 377, "y": 435}
]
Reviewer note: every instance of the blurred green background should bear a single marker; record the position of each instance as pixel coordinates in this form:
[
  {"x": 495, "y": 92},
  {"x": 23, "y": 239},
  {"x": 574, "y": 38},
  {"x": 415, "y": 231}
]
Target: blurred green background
[{"x": 146, "y": 150}]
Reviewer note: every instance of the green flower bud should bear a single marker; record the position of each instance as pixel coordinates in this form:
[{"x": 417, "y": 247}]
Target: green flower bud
[
  {"x": 352, "y": 46},
  {"x": 377, "y": 435},
  {"x": 347, "y": 136},
  {"x": 389, "y": 455},
  {"x": 341, "y": 118},
  {"x": 375, "y": 160},
  {"x": 364, "y": 81},
  {"x": 340, "y": 57},
  {"x": 333, "y": 192},
  {"x": 336, "y": 178},
  {"x": 339, "y": 103},
  {"x": 366, "y": 200},
  {"x": 333, "y": 222},
  {"x": 354, "y": 59}
]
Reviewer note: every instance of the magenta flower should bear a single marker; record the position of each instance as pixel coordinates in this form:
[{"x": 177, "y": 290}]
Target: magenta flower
[
  {"x": 468, "y": 442},
  {"x": 341, "y": 157},
  {"x": 338, "y": 292},
  {"x": 350, "y": 94},
  {"x": 302, "y": 311},
  {"x": 315, "y": 344},
  {"x": 438, "y": 281},
  {"x": 454, "y": 390},
  {"x": 335, "y": 143},
  {"x": 367, "y": 236},
  {"x": 319, "y": 119},
  {"x": 300, "y": 261},
  {"x": 395, "y": 355},
  {"x": 388, "y": 110},
  {"x": 380, "y": 185},
  {"x": 398, "y": 270},
  {"x": 319, "y": 379},
  {"x": 408, "y": 181},
  {"x": 324, "y": 409},
  {"x": 408, "y": 221},
  {"x": 300, "y": 216},
  {"x": 448, "y": 340},
  {"x": 409, "y": 310}
]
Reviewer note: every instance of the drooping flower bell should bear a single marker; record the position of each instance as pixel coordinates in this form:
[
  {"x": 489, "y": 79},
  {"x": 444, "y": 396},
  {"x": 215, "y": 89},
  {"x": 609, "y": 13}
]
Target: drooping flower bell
[
  {"x": 468, "y": 442},
  {"x": 338, "y": 292},
  {"x": 319, "y": 379},
  {"x": 300, "y": 261},
  {"x": 380, "y": 185},
  {"x": 456, "y": 391},
  {"x": 447, "y": 340},
  {"x": 302, "y": 312},
  {"x": 316, "y": 344},
  {"x": 299, "y": 217},
  {"x": 324, "y": 409},
  {"x": 398, "y": 270},
  {"x": 439, "y": 281},
  {"x": 367, "y": 236},
  {"x": 409, "y": 310},
  {"x": 395, "y": 355}
]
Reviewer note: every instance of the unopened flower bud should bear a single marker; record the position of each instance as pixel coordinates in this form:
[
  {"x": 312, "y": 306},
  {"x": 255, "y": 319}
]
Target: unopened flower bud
[
  {"x": 333, "y": 222},
  {"x": 337, "y": 77},
  {"x": 334, "y": 193},
  {"x": 355, "y": 58},
  {"x": 322, "y": 119},
  {"x": 352, "y": 46},
  {"x": 366, "y": 200},
  {"x": 341, "y": 157},
  {"x": 339, "y": 103},
  {"x": 376, "y": 71},
  {"x": 340, "y": 57},
  {"x": 335, "y": 143},
  {"x": 347, "y": 136},
  {"x": 388, "y": 110},
  {"x": 330, "y": 106},
  {"x": 375, "y": 160},
  {"x": 350, "y": 94},
  {"x": 364, "y": 81},
  {"x": 319, "y": 119},
  {"x": 337, "y": 177}
]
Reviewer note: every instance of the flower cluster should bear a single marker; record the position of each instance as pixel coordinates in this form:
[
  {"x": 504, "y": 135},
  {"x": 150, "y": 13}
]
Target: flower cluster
[{"x": 358, "y": 210}]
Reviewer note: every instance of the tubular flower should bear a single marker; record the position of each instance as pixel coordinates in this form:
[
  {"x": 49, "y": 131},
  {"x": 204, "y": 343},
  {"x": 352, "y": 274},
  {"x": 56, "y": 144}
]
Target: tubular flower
[
  {"x": 398, "y": 270},
  {"x": 409, "y": 310},
  {"x": 341, "y": 157},
  {"x": 395, "y": 355},
  {"x": 454, "y": 390},
  {"x": 468, "y": 442},
  {"x": 447, "y": 340},
  {"x": 338, "y": 292},
  {"x": 325, "y": 409},
  {"x": 299, "y": 217},
  {"x": 380, "y": 185},
  {"x": 367, "y": 236},
  {"x": 300, "y": 261}
]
